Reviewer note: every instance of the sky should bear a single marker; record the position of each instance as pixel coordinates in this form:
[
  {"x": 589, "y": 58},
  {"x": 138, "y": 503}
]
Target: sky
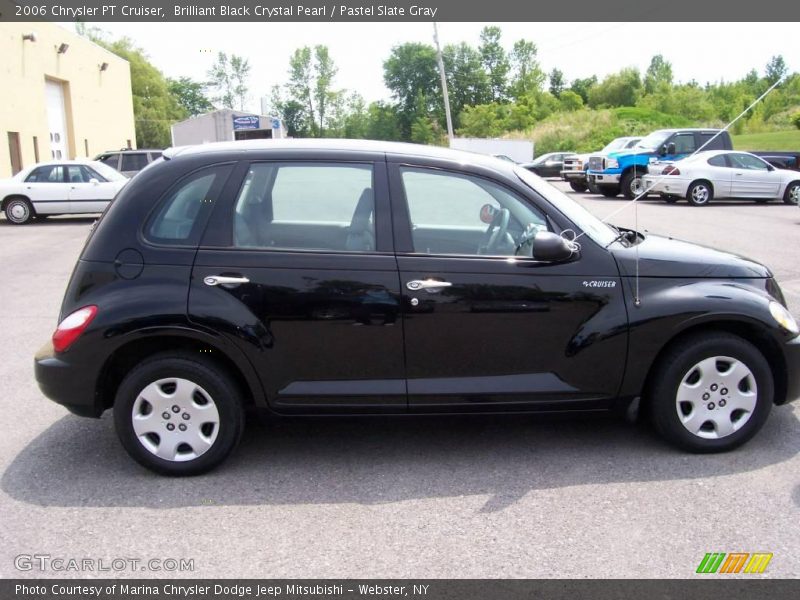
[{"x": 700, "y": 51}]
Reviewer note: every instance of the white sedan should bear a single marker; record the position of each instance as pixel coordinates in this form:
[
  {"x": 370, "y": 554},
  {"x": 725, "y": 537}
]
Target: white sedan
[
  {"x": 722, "y": 174},
  {"x": 55, "y": 188}
]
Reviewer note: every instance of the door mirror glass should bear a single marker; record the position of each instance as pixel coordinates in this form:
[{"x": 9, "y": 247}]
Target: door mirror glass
[
  {"x": 550, "y": 247},
  {"x": 671, "y": 148},
  {"x": 663, "y": 150}
]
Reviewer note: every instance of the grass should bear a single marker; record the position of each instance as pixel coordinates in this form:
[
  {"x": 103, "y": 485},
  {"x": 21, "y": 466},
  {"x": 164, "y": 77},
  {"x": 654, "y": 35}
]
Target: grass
[{"x": 773, "y": 140}]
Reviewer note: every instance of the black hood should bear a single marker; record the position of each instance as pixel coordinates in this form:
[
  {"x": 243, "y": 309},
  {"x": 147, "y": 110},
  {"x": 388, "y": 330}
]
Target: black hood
[{"x": 665, "y": 257}]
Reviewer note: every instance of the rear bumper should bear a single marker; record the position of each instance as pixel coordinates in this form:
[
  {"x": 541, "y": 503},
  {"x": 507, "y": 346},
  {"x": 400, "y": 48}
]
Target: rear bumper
[
  {"x": 667, "y": 185},
  {"x": 791, "y": 353},
  {"x": 66, "y": 383}
]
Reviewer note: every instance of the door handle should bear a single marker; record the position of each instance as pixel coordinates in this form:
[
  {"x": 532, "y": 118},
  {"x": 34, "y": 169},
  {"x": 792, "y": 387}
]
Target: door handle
[
  {"x": 224, "y": 280},
  {"x": 739, "y": 174},
  {"x": 429, "y": 285}
]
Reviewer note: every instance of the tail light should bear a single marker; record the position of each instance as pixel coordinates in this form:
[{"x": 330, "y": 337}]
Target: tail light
[
  {"x": 71, "y": 328},
  {"x": 670, "y": 170}
]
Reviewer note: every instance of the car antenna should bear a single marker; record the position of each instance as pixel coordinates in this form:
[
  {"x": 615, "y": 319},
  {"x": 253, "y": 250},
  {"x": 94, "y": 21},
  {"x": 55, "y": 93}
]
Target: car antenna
[{"x": 637, "y": 301}]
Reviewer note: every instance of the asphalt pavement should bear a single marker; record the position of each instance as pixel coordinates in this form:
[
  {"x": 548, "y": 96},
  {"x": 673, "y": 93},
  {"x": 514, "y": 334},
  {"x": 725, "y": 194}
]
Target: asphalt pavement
[{"x": 422, "y": 498}]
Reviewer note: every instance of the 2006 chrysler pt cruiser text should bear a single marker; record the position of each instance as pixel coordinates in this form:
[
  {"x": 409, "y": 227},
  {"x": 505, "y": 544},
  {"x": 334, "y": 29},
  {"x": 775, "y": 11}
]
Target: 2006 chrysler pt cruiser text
[{"x": 301, "y": 277}]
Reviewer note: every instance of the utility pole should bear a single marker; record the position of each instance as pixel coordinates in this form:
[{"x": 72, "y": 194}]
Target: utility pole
[{"x": 444, "y": 83}]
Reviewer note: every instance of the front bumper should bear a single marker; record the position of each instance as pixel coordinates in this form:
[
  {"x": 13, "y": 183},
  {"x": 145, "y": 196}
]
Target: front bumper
[
  {"x": 66, "y": 383},
  {"x": 603, "y": 178},
  {"x": 573, "y": 175}
]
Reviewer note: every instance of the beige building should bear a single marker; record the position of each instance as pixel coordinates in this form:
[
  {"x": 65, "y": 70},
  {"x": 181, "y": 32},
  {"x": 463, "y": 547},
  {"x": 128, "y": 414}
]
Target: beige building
[{"x": 61, "y": 96}]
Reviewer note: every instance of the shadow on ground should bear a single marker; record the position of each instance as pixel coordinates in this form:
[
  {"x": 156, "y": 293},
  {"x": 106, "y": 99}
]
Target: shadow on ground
[{"x": 78, "y": 462}]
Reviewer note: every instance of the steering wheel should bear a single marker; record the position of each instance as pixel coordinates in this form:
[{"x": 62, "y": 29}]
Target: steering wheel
[{"x": 496, "y": 231}]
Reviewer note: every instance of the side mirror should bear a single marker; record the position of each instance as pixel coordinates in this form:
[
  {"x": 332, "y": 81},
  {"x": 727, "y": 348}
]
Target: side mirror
[
  {"x": 550, "y": 247},
  {"x": 663, "y": 150},
  {"x": 94, "y": 181},
  {"x": 671, "y": 148}
]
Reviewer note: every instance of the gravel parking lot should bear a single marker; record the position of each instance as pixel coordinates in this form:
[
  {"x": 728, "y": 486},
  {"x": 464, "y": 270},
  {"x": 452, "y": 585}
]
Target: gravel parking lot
[{"x": 433, "y": 498}]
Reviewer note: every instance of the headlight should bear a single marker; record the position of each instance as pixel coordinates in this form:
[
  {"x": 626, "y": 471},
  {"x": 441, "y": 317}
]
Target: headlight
[
  {"x": 783, "y": 317},
  {"x": 612, "y": 163}
]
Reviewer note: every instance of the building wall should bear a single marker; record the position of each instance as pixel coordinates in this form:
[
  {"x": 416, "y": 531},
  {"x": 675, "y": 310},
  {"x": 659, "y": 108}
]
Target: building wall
[{"x": 99, "y": 105}]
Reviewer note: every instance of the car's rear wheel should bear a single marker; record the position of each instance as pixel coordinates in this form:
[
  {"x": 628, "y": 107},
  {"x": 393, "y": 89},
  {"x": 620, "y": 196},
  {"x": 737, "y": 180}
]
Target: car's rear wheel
[
  {"x": 792, "y": 193},
  {"x": 177, "y": 415},
  {"x": 577, "y": 186},
  {"x": 711, "y": 393},
  {"x": 609, "y": 191},
  {"x": 19, "y": 211},
  {"x": 700, "y": 193}
]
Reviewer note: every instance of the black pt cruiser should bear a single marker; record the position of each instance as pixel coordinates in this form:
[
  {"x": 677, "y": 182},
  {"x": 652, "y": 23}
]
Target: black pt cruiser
[{"x": 335, "y": 277}]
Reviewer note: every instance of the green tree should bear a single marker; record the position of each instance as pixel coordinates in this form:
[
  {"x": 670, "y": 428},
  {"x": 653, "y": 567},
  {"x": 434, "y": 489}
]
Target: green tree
[
  {"x": 412, "y": 75},
  {"x": 659, "y": 72},
  {"x": 495, "y": 62},
  {"x": 383, "y": 122},
  {"x": 557, "y": 82},
  {"x": 570, "y": 101},
  {"x": 618, "y": 89},
  {"x": 190, "y": 95},
  {"x": 228, "y": 78},
  {"x": 310, "y": 86},
  {"x": 155, "y": 108},
  {"x": 583, "y": 86},
  {"x": 776, "y": 69},
  {"x": 467, "y": 82},
  {"x": 527, "y": 75}
]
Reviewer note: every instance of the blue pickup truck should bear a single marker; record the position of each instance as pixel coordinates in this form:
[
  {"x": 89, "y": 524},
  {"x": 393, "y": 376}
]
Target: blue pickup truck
[{"x": 622, "y": 171}]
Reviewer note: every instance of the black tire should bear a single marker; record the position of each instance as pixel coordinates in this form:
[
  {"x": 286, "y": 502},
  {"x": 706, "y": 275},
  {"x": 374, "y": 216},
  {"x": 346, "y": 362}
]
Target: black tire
[
  {"x": 592, "y": 188},
  {"x": 19, "y": 211},
  {"x": 578, "y": 186},
  {"x": 631, "y": 184},
  {"x": 224, "y": 395},
  {"x": 677, "y": 364},
  {"x": 792, "y": 193},
  {"x": 608, "y": 191},
  {"x": 669, "y": 198},
  {"x": 700, "y": 193}
]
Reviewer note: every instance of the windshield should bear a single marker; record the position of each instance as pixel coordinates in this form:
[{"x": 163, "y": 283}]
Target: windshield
[
  {"x": 107, "y": 172},
  {"x": 582, "y": 219},
  {"x": 614, "y": 145},
  {"x": 654, "y": 140}
]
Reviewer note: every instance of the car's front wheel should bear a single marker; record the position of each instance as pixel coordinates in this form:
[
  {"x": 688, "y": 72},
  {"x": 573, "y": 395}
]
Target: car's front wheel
[
  {"x": 608, "y": 191},
  {"x": 578, "y": 186},
  {"x": 177, "y": 415},
  {"x": 632, "y": 185},
  {"x": 792, "y": 193},
  {"x": 19, "y": 211},
  {"x": 711, "y": 393}
]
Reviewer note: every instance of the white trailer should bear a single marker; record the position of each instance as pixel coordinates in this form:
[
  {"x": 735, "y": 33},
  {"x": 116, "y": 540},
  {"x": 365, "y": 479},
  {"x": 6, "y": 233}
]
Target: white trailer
[{"x": 519, "y": 150}]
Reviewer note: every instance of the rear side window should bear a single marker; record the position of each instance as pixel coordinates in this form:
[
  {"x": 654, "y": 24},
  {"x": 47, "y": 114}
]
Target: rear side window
[
  {"x": 303, "y": 206},
  {"x": 134, "y": 162},
  {"x": 47, "y": 174},
  {"x": 182, "y": 214},
  {"x": 718, "y": 161},
  {"x": 718, "y": 143}
]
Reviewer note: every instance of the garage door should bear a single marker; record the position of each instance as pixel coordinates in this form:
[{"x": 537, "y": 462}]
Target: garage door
[{"x": 56, "y": 119}]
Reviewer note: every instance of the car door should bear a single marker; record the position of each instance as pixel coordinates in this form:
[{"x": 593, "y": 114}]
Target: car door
[
  {"x": 89, "y": 192},
  {"x": 720, "y": 173},
  {"x": 298, "y": 270},
  {"x": 47, "y": 189},
  {"x": 753, "y": 177},
  {"x": 486, "y": 329}
]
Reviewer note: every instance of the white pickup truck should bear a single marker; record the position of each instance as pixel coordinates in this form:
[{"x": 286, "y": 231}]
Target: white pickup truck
[{"x": 575, "y": 166}]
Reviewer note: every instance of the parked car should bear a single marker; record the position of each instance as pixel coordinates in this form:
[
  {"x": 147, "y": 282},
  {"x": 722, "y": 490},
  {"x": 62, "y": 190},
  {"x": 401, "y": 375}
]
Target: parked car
[
  {"x": 548, "y": 165},
  {"x": 780, "y": 159},
  {"x": 623, "y": 171},
  {"x": 717, "y": 174},
  {"x": 56, "y": 188},
  {"x": 576, "y": 165},
  {"x": 127, "y": 161},
  {"x": 335, "y": 277}
]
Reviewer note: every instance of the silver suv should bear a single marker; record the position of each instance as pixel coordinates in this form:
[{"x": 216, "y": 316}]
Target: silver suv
[{"x": 127, "y": 161}]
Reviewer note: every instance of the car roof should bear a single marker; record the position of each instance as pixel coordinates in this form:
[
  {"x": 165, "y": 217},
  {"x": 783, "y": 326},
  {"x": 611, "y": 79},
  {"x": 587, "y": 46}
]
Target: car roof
[
  {"x": 130, "y": 151},
  {"x": 335, "y": 145}
]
